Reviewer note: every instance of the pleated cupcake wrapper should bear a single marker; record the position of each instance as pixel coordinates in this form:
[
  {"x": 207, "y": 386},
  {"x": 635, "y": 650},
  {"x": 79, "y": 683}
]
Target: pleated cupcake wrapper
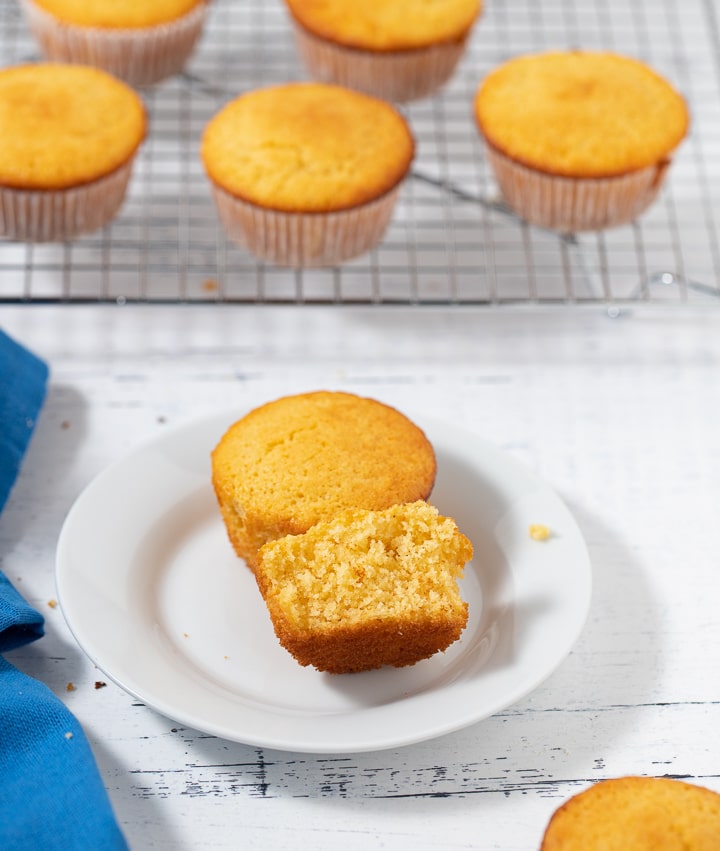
[
  {"x": 571, "y": 204},
  {"x": 396, "y": 76},
  {"x": 57, "y": 215},
  {"x": 140, "y": 57},
  {"x": 305, "y": 239}
]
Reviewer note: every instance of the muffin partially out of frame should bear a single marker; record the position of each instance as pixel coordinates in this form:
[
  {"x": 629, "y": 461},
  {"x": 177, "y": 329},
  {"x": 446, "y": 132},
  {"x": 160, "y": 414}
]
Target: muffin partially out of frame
[
  {"x": 399, "y": 50},
  {"x": 306, "y": 174},
  {"x": 579, "y": 140},
  {"x": 637, "y": 814},
  {"x": 68, "y": 138},
  {"x": 140, "y": 41},
  {"x": 367, "y": 588}
]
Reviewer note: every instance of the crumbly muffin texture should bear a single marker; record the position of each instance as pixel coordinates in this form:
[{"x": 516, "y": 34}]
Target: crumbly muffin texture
[
  {"x": 392, "y": 25},
  {"x": 300, "y": 459},
  {"x": 118, "y": 14},
  {"x": 367, "y": 588},
  {"x": 637, "y": 814},
  {"x": 307, "y": 147},
  {"x": 65, "y": 125},
  {"x": 580, "y": 113}
]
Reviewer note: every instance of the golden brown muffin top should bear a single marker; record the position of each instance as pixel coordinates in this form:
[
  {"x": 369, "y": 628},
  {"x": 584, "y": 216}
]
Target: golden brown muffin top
[
  {"x": 117, "y": 14},
  {"x": 637, "y": 814},
  {"x": 302, "y": 458},
  {"x": 65, "y": 125},
  {"x": 389, "y": 25},
  {"x": 307, "y": 147},
  {"x": 580, "y": 114}
]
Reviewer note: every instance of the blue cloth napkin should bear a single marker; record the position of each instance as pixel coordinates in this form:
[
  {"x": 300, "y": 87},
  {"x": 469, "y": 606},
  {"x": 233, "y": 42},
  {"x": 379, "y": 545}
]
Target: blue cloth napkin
[{"x": 51, "y": 794}]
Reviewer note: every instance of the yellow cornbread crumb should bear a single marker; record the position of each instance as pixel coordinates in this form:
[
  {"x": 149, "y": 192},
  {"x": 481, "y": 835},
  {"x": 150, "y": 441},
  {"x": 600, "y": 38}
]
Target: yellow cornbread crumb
[
  {"x": 307, "y": 147},
  {"x": 52, "y": 603},
  {"x": 118, "y": 14},
  {"x": 70, "y": 687},
  {"x": 388, "y": 26},
  {"x": 580, "y": 114},
  {"x": 367, "y": 588},
  {"x": 65, "y": 125},
  {"x": 538, "y": 532}
]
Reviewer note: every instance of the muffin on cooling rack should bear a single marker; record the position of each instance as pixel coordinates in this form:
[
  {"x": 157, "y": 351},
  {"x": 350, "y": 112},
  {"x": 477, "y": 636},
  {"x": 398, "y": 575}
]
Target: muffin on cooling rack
[
  {"x": 140, "y": 41},
  {"x": 306, "y": 174},
  {"x": 68, "y": 138},
  {"x": 397, "y": 50},
  {"x": 579, "y": 140},
  {"x": 637, "y": 814},
  {"x": 300, "y": 459},
  {"x": 367, "y": 588}
]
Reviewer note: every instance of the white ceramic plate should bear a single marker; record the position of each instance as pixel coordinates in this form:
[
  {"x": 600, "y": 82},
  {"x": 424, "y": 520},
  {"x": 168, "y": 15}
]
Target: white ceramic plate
[{"x": 154, "y": 594}]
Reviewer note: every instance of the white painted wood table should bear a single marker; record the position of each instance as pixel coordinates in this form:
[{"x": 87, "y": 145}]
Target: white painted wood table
[{"x": 620, "y": 416}]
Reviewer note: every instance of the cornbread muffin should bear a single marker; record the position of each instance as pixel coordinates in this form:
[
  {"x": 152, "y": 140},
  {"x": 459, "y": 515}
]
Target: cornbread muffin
[
  {"x": 306, "y": 174},
  {"x": 400, "y": 50},
  {"x": 68, "y": 138},
  {"x": 637, "y": 814},
  {"x": 367, "y": 588},
  {"x": 300, "y": 459},
  {"x": 139, "y": 41},
  {"x": 579, "y": 140}
]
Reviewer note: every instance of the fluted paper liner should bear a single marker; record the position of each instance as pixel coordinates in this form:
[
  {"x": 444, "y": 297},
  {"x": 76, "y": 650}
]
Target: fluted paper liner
[
  {"x": 305, "y": 239},
  {"x": 139, "y": 56},
  {"x": 397, "y": 76},
  {"x": 572, "y": 204},
  {"x": 58, "y": 215}
]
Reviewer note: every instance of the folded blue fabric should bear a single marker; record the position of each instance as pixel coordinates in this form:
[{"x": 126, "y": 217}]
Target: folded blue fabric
[{"x": 51, "y": 794}]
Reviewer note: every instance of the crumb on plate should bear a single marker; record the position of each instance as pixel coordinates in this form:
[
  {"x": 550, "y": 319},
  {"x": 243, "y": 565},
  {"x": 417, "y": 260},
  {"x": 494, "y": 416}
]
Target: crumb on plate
[{"x": 539, "y": 532}]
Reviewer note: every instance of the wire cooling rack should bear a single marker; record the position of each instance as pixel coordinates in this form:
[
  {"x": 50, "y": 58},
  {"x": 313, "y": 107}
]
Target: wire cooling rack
[{"x": 451, "y": 239}]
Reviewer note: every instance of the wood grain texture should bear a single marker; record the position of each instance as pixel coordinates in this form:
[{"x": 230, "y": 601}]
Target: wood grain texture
[{"x": 619, "y": 416}]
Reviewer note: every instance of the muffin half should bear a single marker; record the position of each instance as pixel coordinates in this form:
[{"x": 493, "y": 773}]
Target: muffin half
[{"x": 367, "y": 588}]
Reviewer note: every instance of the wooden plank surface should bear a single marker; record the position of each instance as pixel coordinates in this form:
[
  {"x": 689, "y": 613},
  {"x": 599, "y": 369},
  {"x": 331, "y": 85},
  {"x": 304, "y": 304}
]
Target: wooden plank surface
[{"x": 619, "y": 416}]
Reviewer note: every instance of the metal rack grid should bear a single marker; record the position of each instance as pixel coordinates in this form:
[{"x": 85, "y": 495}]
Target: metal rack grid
[{"x": 451, "y": 239}]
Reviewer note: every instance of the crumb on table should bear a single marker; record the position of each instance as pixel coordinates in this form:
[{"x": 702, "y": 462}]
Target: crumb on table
[
  {"x": 52, "y": 604},
  {"x": 539, "y": 532},
  {"x": 70, "y": 687}
]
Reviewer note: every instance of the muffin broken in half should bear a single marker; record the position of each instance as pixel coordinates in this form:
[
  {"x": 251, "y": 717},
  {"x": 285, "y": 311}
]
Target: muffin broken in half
[{"x": 367, "y": 588}]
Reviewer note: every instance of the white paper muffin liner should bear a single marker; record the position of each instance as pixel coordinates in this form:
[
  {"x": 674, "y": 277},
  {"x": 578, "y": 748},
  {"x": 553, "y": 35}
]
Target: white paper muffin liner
[
  {"x": 398, "y": 76},
  {"x": 141, "y": 56},
  {"x": 570, "y": 204},
  {"x": 59, "y": 215},
  {"x": 304, "y": 240}
]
